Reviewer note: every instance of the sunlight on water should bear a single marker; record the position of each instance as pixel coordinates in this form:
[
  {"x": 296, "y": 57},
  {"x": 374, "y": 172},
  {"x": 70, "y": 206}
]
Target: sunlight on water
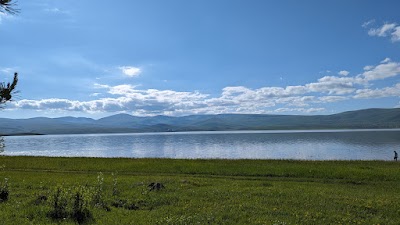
[{"x": 302, "y": 145}]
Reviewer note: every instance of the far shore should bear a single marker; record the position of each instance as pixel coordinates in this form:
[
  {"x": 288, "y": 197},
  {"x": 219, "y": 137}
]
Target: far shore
[
  {"x": 20, "y": 134},
  {"x": 310, "y": 130}
]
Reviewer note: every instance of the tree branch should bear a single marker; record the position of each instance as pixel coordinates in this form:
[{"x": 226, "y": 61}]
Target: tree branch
[{"x": 8, "y": 6}]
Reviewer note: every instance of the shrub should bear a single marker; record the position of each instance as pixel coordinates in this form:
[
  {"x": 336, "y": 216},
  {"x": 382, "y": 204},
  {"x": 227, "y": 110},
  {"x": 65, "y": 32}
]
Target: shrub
[
  {"x": 59, "y": 203},
  {"x": 4, "y": 191},
  {"x": 98, "y": 193},
  {"x": 115, "y": 191},
  {"x": 77, "y": 209},
  {"x": 80, "y": 212},
  {"x": 40, "y": 199}
]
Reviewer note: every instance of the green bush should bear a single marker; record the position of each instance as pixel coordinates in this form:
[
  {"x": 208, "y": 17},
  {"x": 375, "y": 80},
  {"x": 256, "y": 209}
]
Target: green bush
[
  {"x": 59, "y": 203},
  {"x": 98, "y": 193},
  {"x": 4, "y": 191},
  {"x": 80, "y": 211},
  {"x": 77, "y": 209}
]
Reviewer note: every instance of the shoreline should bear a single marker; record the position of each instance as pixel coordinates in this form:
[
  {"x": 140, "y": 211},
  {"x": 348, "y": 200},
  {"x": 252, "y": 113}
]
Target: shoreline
[
  {"x": 196, "y": 159},
  {"x": 273, "y": 131}
]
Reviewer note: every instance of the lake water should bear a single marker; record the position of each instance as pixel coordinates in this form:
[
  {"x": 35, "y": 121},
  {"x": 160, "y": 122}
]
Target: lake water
[{"x": 301, "y": 145}]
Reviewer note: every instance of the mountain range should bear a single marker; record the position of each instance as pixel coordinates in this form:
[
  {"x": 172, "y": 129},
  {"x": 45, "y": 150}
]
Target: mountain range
[{"x": 124, "y": 123}]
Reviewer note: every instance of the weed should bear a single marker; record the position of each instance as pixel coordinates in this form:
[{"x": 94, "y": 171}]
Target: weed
[
  {"x": 4, "y": 191},
  {"x": 59, "y": 204},
  {"x": 98, "y": 194},
  {"x": 122, "y": 203},
  {"x": 80, "y": 211},
  {"x": 115, "y": 190},
  {"x": 62, "y": 209},
  {"x": 40, "y": 199},
  {"x": 155, "y": 186}
]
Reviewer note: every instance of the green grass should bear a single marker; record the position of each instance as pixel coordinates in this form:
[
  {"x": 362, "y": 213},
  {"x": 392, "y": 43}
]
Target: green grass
[{"x": 203, "y": 191}]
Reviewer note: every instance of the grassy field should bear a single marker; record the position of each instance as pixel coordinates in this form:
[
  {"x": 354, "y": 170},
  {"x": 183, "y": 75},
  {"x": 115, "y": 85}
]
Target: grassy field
[{"x": 116, "y": 191}]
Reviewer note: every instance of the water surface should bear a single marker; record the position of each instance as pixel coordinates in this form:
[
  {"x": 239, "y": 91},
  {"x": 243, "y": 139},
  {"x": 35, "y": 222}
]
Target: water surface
[{"x": 303, "y": 145}]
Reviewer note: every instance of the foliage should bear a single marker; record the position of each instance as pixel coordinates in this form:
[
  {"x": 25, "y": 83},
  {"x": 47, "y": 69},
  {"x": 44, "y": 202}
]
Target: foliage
[
  {"x": 8, "y": 6},
  {"x": 67, "y": 204},
  {"x": 4, "y": 191},
  {"x": 80, "y": 210},
  {"x": 7, "y": 90},
  {"x": 59, "y": 202},
  {"x": 115, "y": 191},
  {"x": 98, "y": 194}
]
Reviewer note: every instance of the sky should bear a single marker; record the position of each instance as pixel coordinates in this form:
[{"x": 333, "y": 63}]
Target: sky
[{"x": 183, "y": 57}]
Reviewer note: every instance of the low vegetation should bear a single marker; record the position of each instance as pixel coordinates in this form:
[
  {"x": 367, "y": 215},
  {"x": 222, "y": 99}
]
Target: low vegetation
[{"x": 44, "y": 190}]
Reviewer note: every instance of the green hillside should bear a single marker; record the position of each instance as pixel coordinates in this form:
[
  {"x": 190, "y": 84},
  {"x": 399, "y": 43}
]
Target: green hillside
[{"x": 120, "y": 123}]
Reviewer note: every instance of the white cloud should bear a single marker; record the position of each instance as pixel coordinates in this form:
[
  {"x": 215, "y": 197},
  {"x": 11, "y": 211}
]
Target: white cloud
[
  {"x": 396, "y": 34},
  {"x": 96, "y": 94},
  {"x": 281, "y": 92},
  {"x": 306, "y": 98},
  {"x": 335, "y": 85},
  {"x": 235, "y": 91},
  {"x": 393, "y": 91},
  {"x": 297, "y": 101},
  {"x": 44, "y": 104},
  {"x": 368, "y": 67},
  {"x": 386, "y": 30},
  {"x": 326, "y": 99},
  {"x": 100, "y": 86},
  {"x": 382, "y": 31},
  {"x": 344, "y": 73},
  {"x": 386, "y": 69},
  {"x": 130, "y": 71},
  {"x": 368, "y": 23},
  {"x": 303, "y": 110}
]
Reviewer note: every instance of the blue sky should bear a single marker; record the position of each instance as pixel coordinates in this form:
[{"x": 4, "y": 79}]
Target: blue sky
[{"x": 179, "y": 57}]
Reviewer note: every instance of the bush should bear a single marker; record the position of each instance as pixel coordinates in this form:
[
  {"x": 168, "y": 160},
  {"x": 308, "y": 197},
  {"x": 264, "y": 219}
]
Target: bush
[
  {"x": 4, "y": 191},
  {"x": 98, "y": 193},
  {"x": 59, "y": 204},
  {"x": 77, "y": 210},
  {"x": 80, "y": 212}
]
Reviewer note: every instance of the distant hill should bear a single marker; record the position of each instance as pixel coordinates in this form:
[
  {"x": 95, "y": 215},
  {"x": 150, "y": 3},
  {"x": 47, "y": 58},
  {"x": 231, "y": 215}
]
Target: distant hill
[{"x": 121, "y": 123}]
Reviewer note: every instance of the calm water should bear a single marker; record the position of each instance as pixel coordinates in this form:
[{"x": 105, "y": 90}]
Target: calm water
[{"x": 314, "y": 145}]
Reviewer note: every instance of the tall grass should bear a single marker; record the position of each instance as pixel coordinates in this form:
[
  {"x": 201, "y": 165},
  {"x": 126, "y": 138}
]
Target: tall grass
[
  {"x": 359, "y": 170},
  {"x": 116, "y": 191}
]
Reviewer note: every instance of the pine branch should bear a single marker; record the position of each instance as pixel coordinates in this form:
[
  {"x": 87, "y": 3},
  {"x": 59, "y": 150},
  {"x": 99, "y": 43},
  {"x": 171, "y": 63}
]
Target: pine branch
[
  {"x": 8, "y": 6},
  {"x": 7, "y": 90}
]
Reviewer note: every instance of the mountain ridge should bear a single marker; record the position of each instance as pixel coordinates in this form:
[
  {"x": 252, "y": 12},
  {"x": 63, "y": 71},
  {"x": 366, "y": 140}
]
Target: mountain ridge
[{"x": 125, "y": 123}]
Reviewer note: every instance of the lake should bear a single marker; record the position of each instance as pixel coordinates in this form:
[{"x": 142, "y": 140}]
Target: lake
[{"x": 299, "y": 145}]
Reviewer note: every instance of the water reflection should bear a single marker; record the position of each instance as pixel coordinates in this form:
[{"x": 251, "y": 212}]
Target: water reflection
[
  {"x": 317, "y": 145},
  {"x": 2, "y": 145}
]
